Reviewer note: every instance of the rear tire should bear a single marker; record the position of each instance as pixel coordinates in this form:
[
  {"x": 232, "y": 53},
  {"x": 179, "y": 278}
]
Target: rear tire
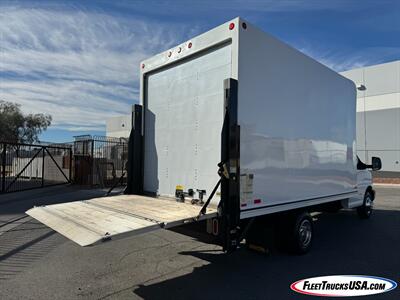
[
  {"x": 302, "y": 234},
  {"x": 365, "y": 211},
  {"x": 296, "y": 233}
]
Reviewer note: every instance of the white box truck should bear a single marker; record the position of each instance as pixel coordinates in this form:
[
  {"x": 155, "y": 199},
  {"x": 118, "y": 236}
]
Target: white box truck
[{"x": 233, "y": 125}]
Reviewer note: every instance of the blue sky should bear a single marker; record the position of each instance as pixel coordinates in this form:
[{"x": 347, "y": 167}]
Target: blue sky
[{"x": 79, "y": 60}]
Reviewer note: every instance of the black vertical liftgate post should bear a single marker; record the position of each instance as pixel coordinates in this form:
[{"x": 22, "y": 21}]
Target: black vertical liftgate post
[
  {"x": 230, "y": 179},
  {"x": 135, "y": 157}
]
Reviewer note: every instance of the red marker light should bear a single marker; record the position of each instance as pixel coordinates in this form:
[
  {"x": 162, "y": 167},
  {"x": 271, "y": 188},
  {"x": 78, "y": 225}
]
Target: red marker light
[
  {"x": 257, "y": 201},
  {"x": 231, "y": 26},
  {"x": 190, "y": 45},
  {"x": 142, "y": 66}
]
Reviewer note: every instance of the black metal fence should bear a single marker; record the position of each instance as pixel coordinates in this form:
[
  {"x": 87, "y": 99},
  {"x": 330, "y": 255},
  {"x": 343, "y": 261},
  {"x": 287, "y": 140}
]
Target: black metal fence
[
  {"x": 100, "y": 161},
  {"x": 29, "y": 166},
  {"x": 90, "y": 160}
]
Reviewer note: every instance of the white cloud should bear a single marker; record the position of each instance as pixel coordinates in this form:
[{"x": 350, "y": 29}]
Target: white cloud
[
  {"x": 347, "y": 60},
  {"x": 81, "y": 67},
  {"x": 181, "y": 7}
]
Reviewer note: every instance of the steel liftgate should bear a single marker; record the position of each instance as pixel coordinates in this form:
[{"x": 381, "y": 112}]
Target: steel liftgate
[{"x": 101, "y": 219}]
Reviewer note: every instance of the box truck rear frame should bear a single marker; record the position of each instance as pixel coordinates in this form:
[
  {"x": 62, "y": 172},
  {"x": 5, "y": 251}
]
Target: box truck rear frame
[
  {"x": 230, "y": 154},
  {"x": 211, "y": 64}
]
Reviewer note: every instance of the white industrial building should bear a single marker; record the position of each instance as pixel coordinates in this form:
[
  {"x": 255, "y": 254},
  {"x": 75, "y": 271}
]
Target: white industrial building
[
  {"x": 378, "y": 115},
  {"x": 119, "y": 126}
]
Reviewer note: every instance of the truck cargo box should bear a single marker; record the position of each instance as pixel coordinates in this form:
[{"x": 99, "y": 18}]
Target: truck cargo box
[
  {"x": 235, "y": 111},
  {"x": 296, "y": 118}
]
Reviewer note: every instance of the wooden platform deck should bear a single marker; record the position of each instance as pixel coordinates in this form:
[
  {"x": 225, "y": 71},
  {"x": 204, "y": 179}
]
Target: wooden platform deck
[{"x": 100, "y": 219}]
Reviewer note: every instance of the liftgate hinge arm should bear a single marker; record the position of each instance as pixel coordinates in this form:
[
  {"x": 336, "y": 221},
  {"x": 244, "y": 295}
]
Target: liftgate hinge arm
[{"x": 222, "y": 171}]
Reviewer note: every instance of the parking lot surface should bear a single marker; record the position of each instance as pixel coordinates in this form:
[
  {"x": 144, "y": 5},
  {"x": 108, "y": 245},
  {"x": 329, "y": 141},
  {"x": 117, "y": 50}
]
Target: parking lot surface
[{"x": 37, "y": 263}]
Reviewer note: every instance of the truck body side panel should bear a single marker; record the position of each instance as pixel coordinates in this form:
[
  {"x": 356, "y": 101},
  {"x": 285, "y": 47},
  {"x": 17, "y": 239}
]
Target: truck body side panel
[{"x": 297, "y": 120}]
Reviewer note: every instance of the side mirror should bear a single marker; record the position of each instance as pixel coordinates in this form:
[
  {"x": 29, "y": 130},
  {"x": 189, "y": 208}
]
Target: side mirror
[{"x": 376, "y": 163}]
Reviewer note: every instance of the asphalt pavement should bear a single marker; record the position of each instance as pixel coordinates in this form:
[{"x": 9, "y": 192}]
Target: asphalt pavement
[{"x": 37, "y": 263}]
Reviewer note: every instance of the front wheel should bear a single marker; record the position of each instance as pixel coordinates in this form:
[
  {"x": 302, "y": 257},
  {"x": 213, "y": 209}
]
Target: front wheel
[{"x": 365, "y": 211}]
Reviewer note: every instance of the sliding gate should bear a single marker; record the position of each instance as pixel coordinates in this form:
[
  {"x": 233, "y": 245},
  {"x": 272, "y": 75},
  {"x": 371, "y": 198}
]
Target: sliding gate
[{"x": 30, "y": 166}]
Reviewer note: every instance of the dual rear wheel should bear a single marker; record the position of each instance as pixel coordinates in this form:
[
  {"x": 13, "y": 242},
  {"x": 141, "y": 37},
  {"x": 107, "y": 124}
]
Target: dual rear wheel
[
  {"x": 298, "y": 229},
  {"x": 295, "y": 231}
]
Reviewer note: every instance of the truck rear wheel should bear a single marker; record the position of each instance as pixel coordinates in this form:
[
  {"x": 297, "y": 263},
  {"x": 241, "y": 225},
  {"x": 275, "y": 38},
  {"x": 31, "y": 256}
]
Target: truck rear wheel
[
  {"x": 365, "y": 211},
  {"x": 296, "y": 233},
  {"x": 302, "y": 234}
]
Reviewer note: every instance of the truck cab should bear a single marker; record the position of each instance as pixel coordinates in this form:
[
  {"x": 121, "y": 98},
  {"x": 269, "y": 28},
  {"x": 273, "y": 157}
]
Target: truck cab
[{"x": 366, "y": 194}]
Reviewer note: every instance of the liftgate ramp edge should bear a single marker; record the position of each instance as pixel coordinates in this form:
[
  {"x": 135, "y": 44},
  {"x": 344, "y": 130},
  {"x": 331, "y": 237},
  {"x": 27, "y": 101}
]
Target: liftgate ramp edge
[{"x": 280, "y": 125}]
